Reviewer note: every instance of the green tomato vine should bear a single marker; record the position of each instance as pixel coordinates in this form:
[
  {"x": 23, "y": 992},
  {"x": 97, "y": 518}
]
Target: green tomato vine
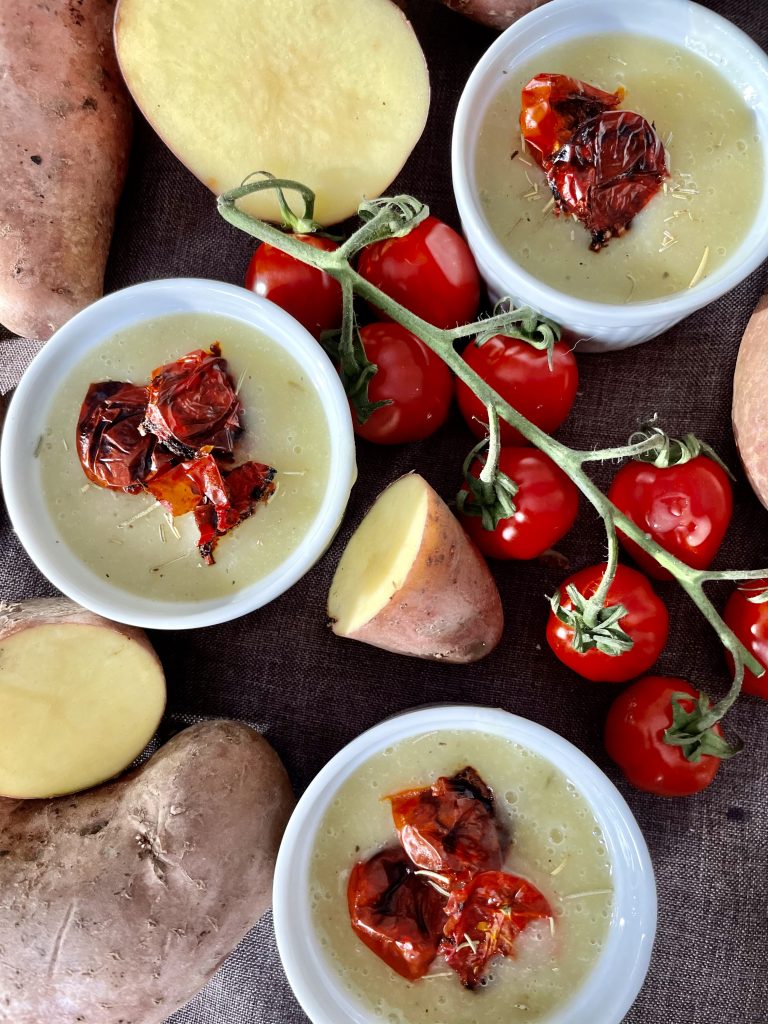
[{"x": 595, "y": 623}]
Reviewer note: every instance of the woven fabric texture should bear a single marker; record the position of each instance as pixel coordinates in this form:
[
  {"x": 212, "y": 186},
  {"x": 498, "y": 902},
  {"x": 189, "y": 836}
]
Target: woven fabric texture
[{"x": 311, "y": 693}]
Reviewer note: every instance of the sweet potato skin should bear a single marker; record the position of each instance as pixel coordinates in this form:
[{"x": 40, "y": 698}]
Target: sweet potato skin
[
  {"x": 448, "y": 608},
  {"x": 750, "y": 400},
  {"x": 494, "y": 13},
  {"x": 65, "y": 121},
  {"x": 118, "y": 904}
]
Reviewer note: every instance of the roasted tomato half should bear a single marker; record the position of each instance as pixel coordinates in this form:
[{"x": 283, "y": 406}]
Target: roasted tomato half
[
  {"x": 485, "y": 917},
  {"x": 451, "y": 825},
  {"x": 395, "y": 913},
  {"x": 193, "y": 404}
]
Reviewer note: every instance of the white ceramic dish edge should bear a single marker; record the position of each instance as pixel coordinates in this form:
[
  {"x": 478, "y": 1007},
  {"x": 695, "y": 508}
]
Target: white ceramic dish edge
[
  {"x": 601, "y": 326},
  {"x": 611, "y": 987},
  {"x": 26, "y": 415}
]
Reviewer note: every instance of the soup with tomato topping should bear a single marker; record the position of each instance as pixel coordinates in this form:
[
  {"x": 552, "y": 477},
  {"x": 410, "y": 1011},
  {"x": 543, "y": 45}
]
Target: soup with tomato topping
[
  {"x": 687, "y": 230},
  {"x": 540, "y": 861}
]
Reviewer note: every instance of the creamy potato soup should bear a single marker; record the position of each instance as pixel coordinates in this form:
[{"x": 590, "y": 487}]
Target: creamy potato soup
[
  {"x": 686, "y": 231},
  {"x": 556, "y": 844},
  {"x": 128, "y": 538}
]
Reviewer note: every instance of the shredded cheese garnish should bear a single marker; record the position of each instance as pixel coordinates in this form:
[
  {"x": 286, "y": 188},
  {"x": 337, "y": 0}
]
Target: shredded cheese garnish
[
  {"x": 562, "y": 864},
  {"x": 592, "y": 892},
  {"x": 700, "y": 269},
  {"x": 549, "y": 205},
  {"x": 139, "y": 515}
]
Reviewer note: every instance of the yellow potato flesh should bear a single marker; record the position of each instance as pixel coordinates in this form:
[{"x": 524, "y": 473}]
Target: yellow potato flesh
[
  {"x": 379, "y": 556},
  {"x": 77, "y": 704},
  {"x": 332, "y": 93}
]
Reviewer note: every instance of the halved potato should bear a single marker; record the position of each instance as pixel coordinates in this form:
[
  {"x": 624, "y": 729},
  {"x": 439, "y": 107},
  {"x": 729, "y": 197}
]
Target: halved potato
[
  {"x": 750, "y": 400},
  {"x": 332, "y": 94},
  {"x": 412, "y": 582}
]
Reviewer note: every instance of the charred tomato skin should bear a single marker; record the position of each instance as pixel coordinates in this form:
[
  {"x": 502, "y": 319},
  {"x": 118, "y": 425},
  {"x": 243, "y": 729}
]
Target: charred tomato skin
[
  {"x": 547, "y": 503},
  {"x": 634, "y": 739},
  {"x": 685, "y": 508},
  {"x": 311, "y": 296},
  {"x": 522, "y": 376},
  {"x": 431, "y": 271},
  {"x": 749, "y": 621},
  {"x": 413, "y": 379},
  {"x": 646, "y": 622}
]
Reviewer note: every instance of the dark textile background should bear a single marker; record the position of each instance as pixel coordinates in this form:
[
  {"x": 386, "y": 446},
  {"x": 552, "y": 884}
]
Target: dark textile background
[{"x": 311, "y": 692}]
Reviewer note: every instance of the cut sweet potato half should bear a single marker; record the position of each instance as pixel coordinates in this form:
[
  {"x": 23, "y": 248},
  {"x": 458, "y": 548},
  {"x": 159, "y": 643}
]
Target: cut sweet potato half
[
  {"x": 411, "y": 581},
  {"x": 334, "y": 95}
]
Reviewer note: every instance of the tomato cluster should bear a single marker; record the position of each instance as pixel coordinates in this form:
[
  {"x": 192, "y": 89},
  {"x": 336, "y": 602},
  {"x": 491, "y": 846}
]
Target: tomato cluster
[{"x": 684, "y": 507}]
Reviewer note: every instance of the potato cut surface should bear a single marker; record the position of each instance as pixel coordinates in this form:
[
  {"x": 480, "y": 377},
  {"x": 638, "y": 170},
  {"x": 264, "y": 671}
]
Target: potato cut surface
[
  {"x": 77, "y": 704},
  {"x": 332, "y": 93},
  {"x": 380, "y": 554}
]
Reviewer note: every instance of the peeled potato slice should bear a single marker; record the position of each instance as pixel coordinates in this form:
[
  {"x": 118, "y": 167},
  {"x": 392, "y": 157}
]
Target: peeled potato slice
[
  {"x": 80, "y": 698},
  {"x": 411, "y": 581},
  {"x": 332, "y": 93}
]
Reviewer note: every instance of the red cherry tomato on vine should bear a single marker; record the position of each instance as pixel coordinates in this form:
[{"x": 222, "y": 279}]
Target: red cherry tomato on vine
[
  {"x": 311, "y": 296},
  {"x": 685, "y": 508},
  {"x": 416, "y": 381},
  {"x": 646, "y": 622},
  {"x": 430, "y": 271},
  {"x": 634, "y": 739},
  {"x": 546, "y": 504},
  {"x": 749, "y": 621},
  {"x": 520, "y": 373}
]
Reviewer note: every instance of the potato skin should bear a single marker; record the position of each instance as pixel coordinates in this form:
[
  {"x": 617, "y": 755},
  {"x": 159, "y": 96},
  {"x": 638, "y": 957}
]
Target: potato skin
[
  {"x": 494, "y": 13},
  {"x": 750, "y": 400},
  {"x": 65, "y": 122},
  {"x": 38, "y": 611},
  {"x": 448, "y": 608},
  {"x": 118, "y": 904}
]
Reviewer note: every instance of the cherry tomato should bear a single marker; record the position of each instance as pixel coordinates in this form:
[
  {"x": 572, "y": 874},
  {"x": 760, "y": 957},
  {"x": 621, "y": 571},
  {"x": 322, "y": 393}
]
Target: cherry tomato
[
  {"x": 646, "y": 622},
  {"x": 485, "y": 916},
  {"x": 749, "y": 621},
  {"x": 634, "y": 739},
  {"x": 395, "y": 913},
  {"x": 520, "y": 373},
  {"x": 546, "y": 503},
  {"x": 430, "y": 271},
  {"x": 416, "y": 381},
  {"x": 311, "y": 296},
  {"x": 685, "y": 508},
  {"x": 451, "y": 825}
]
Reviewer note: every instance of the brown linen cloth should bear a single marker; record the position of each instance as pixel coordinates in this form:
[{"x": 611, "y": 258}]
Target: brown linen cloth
[{"x": 312, "y": 692}]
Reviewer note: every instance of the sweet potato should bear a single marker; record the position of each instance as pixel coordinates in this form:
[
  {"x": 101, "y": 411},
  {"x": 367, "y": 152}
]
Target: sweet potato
[
  {"x": 117, "y": 905},
  {"x": 411, "y": 581},
  {"x": 65, "y": 126},
  {"x": 494, "y": 13},
  {"x": 750, "y": 401},
  {"x": 80, "y": 697},
  {"x": 334, "y": 95}
]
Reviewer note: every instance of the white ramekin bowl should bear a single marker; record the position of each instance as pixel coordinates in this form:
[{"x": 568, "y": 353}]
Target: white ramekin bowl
[
  {"x": 27, "y": 413},
  {"x": 610, "y": 988},
  {"x": 602, "y": 326}
]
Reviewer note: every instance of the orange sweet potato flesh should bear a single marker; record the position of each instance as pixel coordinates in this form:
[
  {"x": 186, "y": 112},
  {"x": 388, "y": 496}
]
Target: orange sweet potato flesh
[
  {"x": 750, "y": 401},
  {"x": 65, "y": 124},
  {"x": 494, "y": 13}
]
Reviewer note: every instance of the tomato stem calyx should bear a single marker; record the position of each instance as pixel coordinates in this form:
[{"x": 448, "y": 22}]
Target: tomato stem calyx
[
  {"x": 595, "y": 627},
  {"x": 491, "y": 493},
  {"x": 693, "y": 732},
  {"x": 665, "y": 451}
]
